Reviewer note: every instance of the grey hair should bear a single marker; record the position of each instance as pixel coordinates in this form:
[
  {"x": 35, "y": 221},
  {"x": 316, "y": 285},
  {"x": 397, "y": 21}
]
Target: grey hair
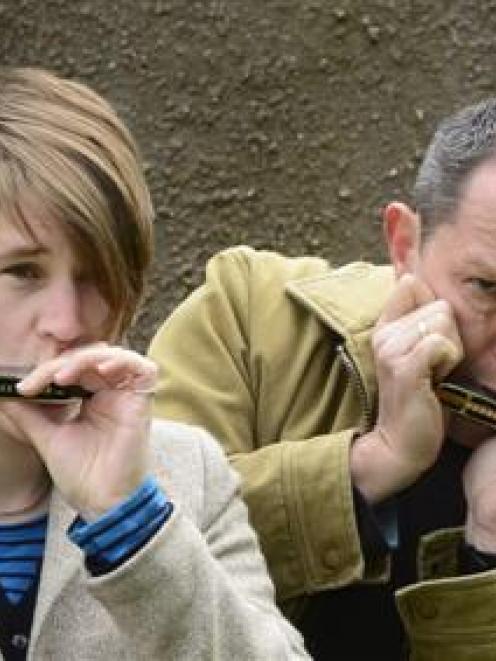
[{"x": 461, "y": 142}]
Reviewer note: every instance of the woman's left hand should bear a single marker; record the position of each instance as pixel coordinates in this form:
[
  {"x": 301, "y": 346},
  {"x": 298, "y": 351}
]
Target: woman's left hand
[{"x": 97, "y": 450}]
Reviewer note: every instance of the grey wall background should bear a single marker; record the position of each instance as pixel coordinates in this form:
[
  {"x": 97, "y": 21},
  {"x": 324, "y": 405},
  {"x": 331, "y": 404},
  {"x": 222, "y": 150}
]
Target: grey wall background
[{"x": 283, "y": 124}]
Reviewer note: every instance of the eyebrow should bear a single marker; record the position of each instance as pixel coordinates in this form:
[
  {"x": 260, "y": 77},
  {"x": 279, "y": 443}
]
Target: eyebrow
[
  {"x": 23, "y": 252},
  {"x": 485, "y": 267}
]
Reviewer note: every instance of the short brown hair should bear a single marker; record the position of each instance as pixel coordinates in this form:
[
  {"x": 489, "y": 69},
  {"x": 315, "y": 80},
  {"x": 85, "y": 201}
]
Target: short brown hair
[{"x": 62, "y": 145}]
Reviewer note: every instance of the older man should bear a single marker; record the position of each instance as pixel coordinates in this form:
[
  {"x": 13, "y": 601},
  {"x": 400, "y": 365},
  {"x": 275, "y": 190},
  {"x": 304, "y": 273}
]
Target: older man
[{"x": 375, "y": 504}]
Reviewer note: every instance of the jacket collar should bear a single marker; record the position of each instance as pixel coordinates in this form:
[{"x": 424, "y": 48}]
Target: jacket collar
[{"x": 349, "y": 301}]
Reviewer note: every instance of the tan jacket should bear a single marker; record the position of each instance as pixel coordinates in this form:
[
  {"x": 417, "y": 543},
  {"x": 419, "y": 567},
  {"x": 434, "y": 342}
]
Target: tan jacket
[
  {"x": 198, "y": 590},
  {"x": 273, "y": 356}
]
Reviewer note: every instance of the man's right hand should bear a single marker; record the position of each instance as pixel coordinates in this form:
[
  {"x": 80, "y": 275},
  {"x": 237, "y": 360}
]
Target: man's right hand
[{"x": 415, "y": 344}]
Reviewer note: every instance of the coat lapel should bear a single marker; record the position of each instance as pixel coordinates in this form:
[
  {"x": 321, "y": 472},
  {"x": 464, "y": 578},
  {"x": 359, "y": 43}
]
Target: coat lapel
[
  {"x": 62, "y": 559},
  {"x": 349, "y": 300}
]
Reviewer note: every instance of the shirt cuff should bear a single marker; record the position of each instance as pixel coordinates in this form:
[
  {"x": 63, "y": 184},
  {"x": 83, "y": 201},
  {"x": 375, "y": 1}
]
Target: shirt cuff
[
  {"x": 377, "y": 525},
  {"x": 473, "y": 561},
  {"x": 119, "y": 533}
]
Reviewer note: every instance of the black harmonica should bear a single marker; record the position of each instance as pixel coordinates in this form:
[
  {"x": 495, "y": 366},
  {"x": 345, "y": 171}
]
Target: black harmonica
[
  {"x": 469, "y": 400},
  {"x": 52, "y": 393}
]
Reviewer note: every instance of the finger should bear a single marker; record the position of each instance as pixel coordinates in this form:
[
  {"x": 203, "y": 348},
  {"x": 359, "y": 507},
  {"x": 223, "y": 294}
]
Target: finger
[
  {"x": 46, "y": 373},
  {"x": 118, "y": 373},
  {"x": 409, "y": 294},
  {"x": 82, "y": 367},
  {"x": 120, "y": 365},
  {"x": 482, "y": 460},
  {"x": 40, "y": 377},
  {"x": 400, "y": 336},
  {"x": 436, "y": 356},
  {"x": 114, "y": 368}
]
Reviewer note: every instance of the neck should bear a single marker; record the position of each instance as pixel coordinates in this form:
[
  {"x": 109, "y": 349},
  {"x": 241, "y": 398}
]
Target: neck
[{"x": 24, "y": 481}]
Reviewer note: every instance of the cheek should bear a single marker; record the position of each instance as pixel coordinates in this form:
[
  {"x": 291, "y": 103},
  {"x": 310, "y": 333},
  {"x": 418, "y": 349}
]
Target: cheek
[
  {"x": 97, "y": 314},
  {"x": 16, "y": 319},
  {"x": 19, "y": 343},
  {"x": 476, "y": 327},
  {"x": 478, "y": 335},
  {"x": 469, "y": 322},
  {"x": 472, "y": 336}
]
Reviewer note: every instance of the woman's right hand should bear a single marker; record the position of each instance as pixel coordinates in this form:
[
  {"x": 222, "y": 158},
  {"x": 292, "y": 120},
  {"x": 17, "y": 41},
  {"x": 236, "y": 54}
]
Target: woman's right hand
[{"x": 97, "y": 454}]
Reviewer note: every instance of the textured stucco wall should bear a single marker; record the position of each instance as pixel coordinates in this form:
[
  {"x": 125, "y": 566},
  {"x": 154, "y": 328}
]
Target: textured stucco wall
[{"x": 279, "y": 123}]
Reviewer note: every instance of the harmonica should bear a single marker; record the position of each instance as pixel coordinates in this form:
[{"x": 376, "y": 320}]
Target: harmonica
[
  {"x": 474, "y": 402},
  {"x": 51, "y": 394}
]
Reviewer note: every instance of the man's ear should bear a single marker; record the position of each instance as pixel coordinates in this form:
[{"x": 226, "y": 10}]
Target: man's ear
[{"x": 402, "y": 233}]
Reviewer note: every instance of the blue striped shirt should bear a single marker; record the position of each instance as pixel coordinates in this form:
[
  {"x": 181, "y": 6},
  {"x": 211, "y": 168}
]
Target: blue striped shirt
[
  {"x": 21, "y": 552},
  {"x": 106, "y": 542},
  {"x": 120, "y": 532}
]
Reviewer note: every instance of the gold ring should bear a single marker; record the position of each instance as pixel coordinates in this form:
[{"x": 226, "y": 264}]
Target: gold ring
[
  {"x": 145, "y": 391},
  {"x": 422, "y": 329}
]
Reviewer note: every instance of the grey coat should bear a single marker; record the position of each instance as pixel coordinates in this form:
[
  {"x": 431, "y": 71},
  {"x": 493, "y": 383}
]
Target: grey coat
[{"x": 198, "y": 590}]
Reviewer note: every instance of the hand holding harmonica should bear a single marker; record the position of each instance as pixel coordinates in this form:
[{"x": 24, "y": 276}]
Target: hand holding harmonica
[
  {"x": 96, "y": 450},
  {"x": 415, "y": 342}
]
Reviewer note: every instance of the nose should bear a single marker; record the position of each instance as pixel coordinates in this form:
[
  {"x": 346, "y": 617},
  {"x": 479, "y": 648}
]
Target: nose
[{"x": 60, "y": 318}]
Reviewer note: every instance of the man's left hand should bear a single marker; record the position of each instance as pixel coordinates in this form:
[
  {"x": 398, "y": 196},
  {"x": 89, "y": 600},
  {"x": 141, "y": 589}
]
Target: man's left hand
[{"x": 479, "y": 480}]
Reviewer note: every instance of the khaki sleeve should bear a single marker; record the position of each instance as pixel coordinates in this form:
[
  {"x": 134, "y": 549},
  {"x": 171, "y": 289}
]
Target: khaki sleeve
[
  {"x": 448, "y": 616},
  {"x": 451, "y": 618},
  {"x": 298, "y": 492}
]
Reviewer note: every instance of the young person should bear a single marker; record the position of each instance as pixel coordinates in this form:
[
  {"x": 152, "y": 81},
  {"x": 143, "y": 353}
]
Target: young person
[
  {"x": 120, "y": 538},
  {"x": 375, "y": 506}
]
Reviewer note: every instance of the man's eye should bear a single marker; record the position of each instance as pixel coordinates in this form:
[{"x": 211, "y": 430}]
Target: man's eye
[
  {"x": 24, "y": 271},
  {"x": 484, "y": 286}
]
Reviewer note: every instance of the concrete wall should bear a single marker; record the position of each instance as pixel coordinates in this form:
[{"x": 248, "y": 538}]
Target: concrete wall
[{"x": 283, "y": 124}]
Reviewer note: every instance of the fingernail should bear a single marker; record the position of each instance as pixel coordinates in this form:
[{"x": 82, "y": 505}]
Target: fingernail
[{"x": 23, "y": 386}]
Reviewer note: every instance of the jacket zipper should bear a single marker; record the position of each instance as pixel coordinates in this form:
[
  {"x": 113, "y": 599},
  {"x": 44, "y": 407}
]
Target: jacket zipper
[{"x": 358, "y": 385}]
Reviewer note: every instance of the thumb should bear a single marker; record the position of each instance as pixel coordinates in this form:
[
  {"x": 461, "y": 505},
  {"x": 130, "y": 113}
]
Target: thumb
[{"x": 437, "y": 355}]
